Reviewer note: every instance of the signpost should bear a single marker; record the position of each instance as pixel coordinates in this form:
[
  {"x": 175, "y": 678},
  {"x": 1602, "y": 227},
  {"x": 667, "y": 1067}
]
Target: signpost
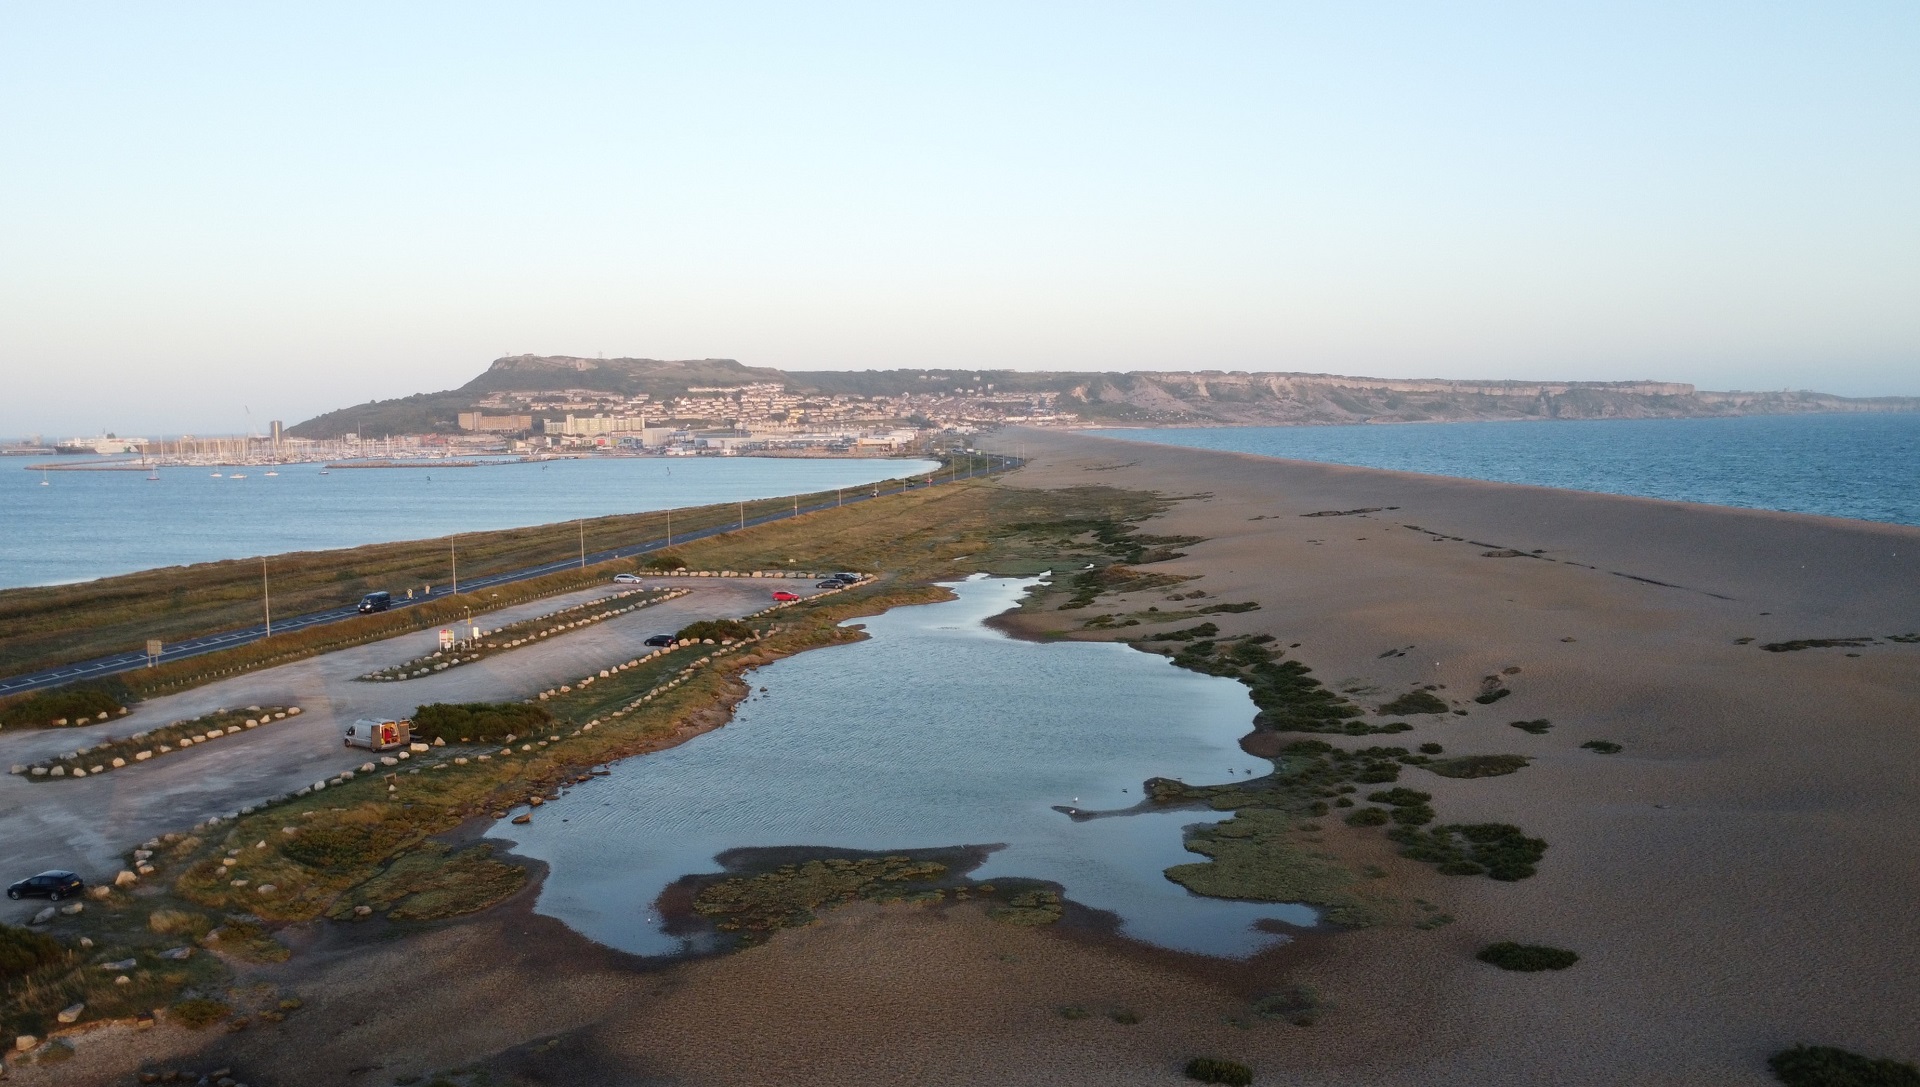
[{"x": 153, "y": 652}]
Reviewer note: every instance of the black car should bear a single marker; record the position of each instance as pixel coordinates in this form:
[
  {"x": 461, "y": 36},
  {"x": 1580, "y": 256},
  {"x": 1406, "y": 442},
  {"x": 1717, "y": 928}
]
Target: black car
[
  {"x": 53, "y": 885},
  {"x": 373, "y": 602},
  {"x": 660, "y": 639},
  {"x": 830, "y": 583}
]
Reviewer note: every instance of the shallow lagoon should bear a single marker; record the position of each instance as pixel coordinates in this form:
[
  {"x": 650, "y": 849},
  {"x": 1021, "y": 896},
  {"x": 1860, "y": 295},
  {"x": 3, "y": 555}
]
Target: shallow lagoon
[{"x": 937, "y": 731}]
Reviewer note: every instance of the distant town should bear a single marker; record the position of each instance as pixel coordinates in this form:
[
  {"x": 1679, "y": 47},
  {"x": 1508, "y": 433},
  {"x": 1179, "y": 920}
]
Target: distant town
[{"x": 531, "y": 406}]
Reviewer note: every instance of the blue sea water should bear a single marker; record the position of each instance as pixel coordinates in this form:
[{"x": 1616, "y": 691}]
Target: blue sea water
[
  {"x": 88, "y": 524},
  {"x": 1865, "y": 467}
]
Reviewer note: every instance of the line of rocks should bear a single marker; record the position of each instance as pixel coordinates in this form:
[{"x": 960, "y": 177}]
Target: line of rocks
[
  {"x": 439, "y": 660},
  {"x": 73, "y": 764}
]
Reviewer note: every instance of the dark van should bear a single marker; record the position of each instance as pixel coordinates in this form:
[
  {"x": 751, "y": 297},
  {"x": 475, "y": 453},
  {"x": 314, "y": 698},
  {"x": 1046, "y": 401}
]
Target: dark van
[{"x": 375, "y": 602}]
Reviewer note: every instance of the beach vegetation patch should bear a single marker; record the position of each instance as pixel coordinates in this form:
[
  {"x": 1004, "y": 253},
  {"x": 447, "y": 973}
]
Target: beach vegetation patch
[
  {"x": 1827, "y": 1066},
  {"x": 1412, "y": 702},
  {"x": 1491, "y": 690},
  {"x": 1368, "y": 817},
  {"x": 433, "y": 882},
  {"x": 1216, "y": 1070},
  {"x": 1204, "y": 630},
  {"x": 1477, "y": 766},
  {"x": 350, "y": 839},
  {"x": 1604, "y": 747},
  {"x": 1296, "y": 1004},
  {"x": 1817, "y": 643},
  {"x": 754, "y": 907},
  {"x": 1538, "y": 728},
  {"x": 478, "y": 722},
  {"x": 1499, "y": 850},
  {"x": 1527, "y": 958},
  {"x": 1255, "y": 856},
  {"x": 1035, "y": 907},
  {"x": 197, "y": 1012}
]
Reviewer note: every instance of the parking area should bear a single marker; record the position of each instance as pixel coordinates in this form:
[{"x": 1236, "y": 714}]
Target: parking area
[{"x": 88, "y": 825}]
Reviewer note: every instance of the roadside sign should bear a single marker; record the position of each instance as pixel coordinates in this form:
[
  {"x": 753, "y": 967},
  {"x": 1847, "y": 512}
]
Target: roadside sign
[
  {"x": 153, "y": 652},
  {"x": 446, "y": 638}
]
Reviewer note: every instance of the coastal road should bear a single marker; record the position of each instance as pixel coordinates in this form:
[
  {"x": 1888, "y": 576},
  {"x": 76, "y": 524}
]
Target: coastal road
[
  {"x": 192, "y": 647},
  {"x": 89, "y": 825}
]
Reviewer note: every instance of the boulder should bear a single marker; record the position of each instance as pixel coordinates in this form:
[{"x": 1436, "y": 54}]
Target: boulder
[
  {"x": 366, "y": 768},
  {"x": 43, "y": 916},
  {"x": 123, "y": 964},
  {"x": 145, "y": 869},
  {"x": 74, "y": 909},
  {"x": 417, "y": 747},
  {"x": 265, "y": 888},
  {"x": 177, "y": 954},
  {"x": 118, "y": 763},
  {"x": 363, "y": 911},
  {"x": 71, "y": 1013},
  {"x": 292, "y": 711},
  {"x": 123, "y": 980},
  {"x": 100, "y": 892},
  {"x": 24, "y": 1042},
  {"x": 142, "y": 756}
]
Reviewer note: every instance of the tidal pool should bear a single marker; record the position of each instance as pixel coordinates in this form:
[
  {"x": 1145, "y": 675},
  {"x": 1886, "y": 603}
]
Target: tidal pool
[{"x": 936, "y": 731}]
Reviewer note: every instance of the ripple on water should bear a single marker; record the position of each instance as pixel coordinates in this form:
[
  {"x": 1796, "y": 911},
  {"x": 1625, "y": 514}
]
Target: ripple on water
[{"x": 937, "y": 731}]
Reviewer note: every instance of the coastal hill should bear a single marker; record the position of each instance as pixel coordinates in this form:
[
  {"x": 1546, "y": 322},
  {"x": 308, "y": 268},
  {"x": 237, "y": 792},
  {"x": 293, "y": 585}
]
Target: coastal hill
[{"x": 1139, "y": 397}]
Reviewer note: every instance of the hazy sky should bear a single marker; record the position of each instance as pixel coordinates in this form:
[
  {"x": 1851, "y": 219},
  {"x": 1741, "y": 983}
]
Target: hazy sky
[{"x": 207, "y": 209}]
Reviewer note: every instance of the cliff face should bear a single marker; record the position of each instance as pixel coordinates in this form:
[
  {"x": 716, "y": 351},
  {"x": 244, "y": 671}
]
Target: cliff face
[{"x": 1147, "y": 397}]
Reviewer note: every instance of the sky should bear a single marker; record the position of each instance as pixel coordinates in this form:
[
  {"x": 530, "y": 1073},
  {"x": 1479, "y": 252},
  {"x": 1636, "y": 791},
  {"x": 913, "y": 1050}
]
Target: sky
[{"x": 212, "y": 215}]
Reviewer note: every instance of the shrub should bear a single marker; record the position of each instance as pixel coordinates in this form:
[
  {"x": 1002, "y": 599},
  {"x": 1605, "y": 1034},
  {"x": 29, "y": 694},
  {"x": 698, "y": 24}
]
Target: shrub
[
  {"x": 1478, "y": 766},
  {"x": 1431, "y": 749},
  {"x": 70, "y": 703},
  {"x": 1500, "y": 850},
  {"x": 1508, "y": 955},
  {"x": 178, "y": 923},
  {"x": 1368, "y": 817},
  {"x": 22, "y": 951},
  {"x": 490, "y": 721},
  {"x": 1825, "y": 1066},
  {"x": 198, "y": 1012},
  {"x": 717, "y": 629},
  {"x": 348, "y": 843},
  {"x": 1215, "y": 1070},
  {"x": 1414, "y": 702},
  {"x": 666, "y": 560},
  {"x": 1605, "y": 747},
  {"x": 1538, "y": 728}
]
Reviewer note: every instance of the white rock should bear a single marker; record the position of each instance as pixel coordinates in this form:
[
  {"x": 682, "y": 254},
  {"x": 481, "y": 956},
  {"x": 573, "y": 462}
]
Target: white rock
[
  {"x": 146, "y": 869},
  {"x": 366, "y": 768},
  {"x": 74, "y": 909},
  {"x": 142, "y": 756},
  {"x": 43, "y": 916},
  {"x": 292, "y": 711},
  {"x": 57, "y": 772},
  {"x": 125, "y": 879},
  {"x": 71, "y": 1013},
  {"x": 418, "y": 747},
  {"x": 389, "y": 760},
  {"x": 25, "y": 1042},
  {"x": 118, "y": 763}
]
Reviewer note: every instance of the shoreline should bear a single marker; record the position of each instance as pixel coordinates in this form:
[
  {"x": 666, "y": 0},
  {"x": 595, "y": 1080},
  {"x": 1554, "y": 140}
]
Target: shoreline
[{"x": 1736, "y": 880}]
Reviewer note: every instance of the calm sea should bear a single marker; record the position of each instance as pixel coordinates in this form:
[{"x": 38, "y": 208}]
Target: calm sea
[
  {"x": 1861, "y": 466},
  {"x": 84, "y": 525}
]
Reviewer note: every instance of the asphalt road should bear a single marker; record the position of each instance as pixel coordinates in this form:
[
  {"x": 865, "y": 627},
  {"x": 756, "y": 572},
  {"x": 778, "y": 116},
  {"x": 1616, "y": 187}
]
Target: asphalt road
[
  {"x": 89, "y": 825},
  {"x": 192, "y": 647}
]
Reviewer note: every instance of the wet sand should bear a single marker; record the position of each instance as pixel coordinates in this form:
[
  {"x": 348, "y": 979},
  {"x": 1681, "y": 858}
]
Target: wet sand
[{"x": 1738, "y": 879}]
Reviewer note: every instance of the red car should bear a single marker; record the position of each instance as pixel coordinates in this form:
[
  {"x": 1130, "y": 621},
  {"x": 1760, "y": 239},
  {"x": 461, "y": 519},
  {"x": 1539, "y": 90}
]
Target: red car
[{"x": 785, "y": 595}]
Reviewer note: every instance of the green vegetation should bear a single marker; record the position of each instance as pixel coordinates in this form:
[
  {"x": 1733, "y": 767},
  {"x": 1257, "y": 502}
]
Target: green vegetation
[
  {"x": 1526, "y": 957},
  {"x": 753, "y": 907},
  {"x": 1817, "y": 643},
  {"x": 1478, "y": 766},
  {"x": 23, "y": 951},
  {"x": 478, "y": 722},
  {"x": 1257, "y": 856},
  {"x": 1826, "y": 1066},
  {"x": 665, "y": 560},
  {"x": 1290, "y": 699},
  {"x": 432, "y": 882},
  {"x": 1604, "y": 747},
  {"x": 1204, "y": 630},
  {"x": 1538, "y": 728},
  {"x": 1215, "y": 1070},
  {"x": 1431, "y": 749},
  {"x": 1412, "y": 702},
  {"x": 720, "y": 630},
  {"x": 198, "y": 1012},
  {"x": 1036, "y": 907},
  {"x": 1296, "y": 1004},
  {"x": 1499, "y": 850},
  {"x": 66, "y": 706},
  {"x": 1088, "y": 585},
  {"x": 1368, "y": 817}
]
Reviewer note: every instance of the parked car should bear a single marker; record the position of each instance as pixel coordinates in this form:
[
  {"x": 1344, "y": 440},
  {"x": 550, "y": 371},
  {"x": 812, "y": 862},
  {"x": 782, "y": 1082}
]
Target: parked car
[
  {"x": 373, "y": 602},
  {"x": 784, "y": 595},
  {"x": 53, "y": 885},
  {"x": 660, "y": 640},
  {"x": 830, "y": 583},
  {"x": 626, "y": 579},
  {"x": 849, "y": 579}
]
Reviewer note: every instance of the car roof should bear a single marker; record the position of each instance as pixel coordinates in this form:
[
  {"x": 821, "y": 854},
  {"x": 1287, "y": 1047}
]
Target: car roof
[{"x": 56, "y": 874}]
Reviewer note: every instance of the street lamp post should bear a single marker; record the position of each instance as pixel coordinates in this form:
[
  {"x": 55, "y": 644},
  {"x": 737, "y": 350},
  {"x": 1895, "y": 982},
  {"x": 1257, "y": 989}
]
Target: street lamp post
[
  {"x": 453, "y": 561},
  {"x": 266, "y": 597}
]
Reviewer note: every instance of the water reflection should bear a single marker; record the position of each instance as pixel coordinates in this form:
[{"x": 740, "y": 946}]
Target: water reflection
[{"x": 938, "y": 731}]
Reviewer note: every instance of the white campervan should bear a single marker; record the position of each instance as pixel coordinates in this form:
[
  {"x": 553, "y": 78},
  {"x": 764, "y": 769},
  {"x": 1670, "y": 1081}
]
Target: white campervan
[{"x": 379, "y": 735}]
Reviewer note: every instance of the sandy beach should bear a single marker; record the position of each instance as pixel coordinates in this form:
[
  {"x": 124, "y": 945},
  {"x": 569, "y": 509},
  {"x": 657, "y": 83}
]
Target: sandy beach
[{"x": 1740, "y": 877}]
